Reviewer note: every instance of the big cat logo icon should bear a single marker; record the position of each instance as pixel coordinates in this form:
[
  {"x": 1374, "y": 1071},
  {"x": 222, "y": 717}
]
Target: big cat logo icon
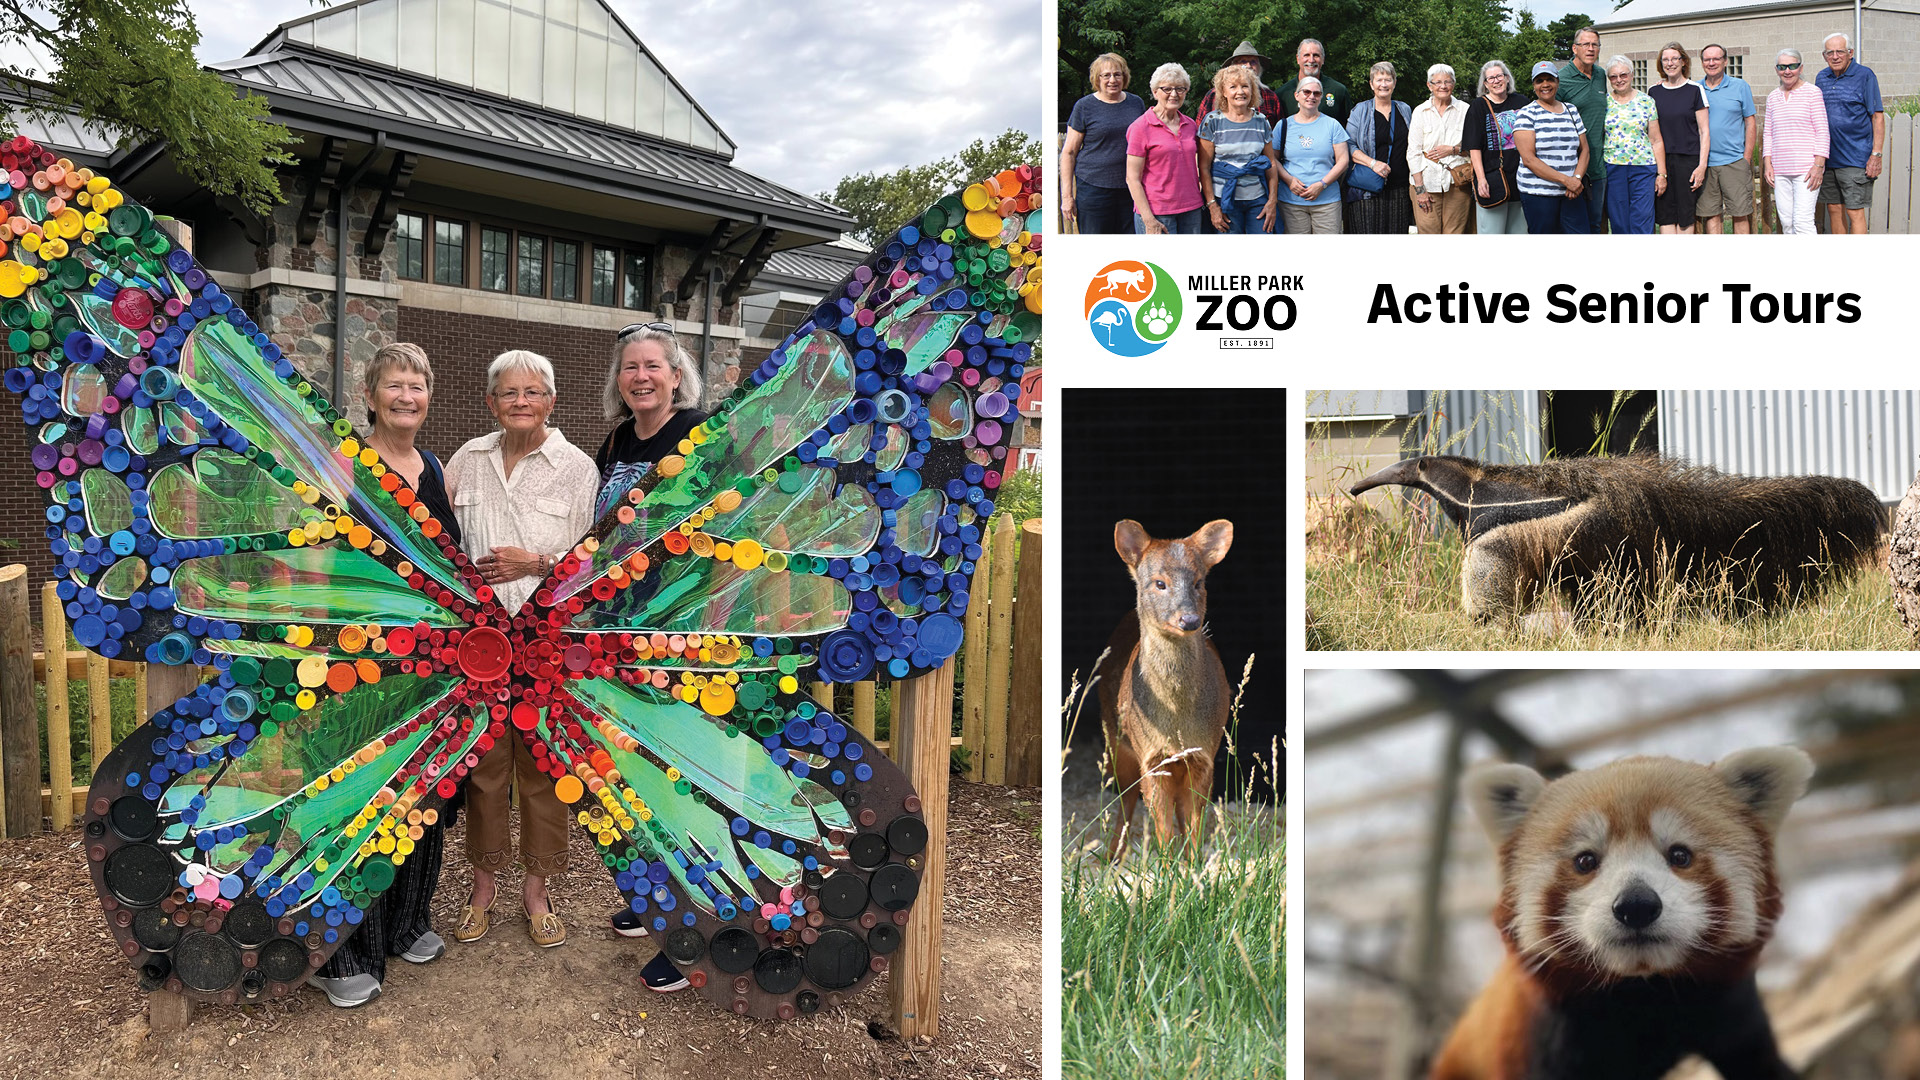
[{"x": 1132, "y": 307}]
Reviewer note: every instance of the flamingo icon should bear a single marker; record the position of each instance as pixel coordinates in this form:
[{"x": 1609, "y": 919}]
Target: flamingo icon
[{"x": 1109, "y": 320}]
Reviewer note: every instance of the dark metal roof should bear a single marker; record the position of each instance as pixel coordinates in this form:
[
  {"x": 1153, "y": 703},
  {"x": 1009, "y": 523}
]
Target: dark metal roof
[
  {"x": 56, "y": 128},
  {"x": 434, "y": 118},
  {"x": 818, "y": 267}
]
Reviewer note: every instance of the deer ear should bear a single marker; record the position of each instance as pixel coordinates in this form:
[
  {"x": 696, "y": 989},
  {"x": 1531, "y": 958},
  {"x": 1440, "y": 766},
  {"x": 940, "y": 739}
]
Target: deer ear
[
  {"x": 1212, "y": 541},
  {"x": 1130, "y": 539}
]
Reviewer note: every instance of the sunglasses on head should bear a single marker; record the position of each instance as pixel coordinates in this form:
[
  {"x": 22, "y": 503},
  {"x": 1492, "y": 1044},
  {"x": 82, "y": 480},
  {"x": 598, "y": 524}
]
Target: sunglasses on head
[{"x": 639, "y": 326}]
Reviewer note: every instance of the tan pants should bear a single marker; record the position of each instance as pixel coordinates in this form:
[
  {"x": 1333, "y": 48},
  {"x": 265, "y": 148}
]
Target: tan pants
[
  {"x": 543, "y": 817},
  {"x": 1452, "y": 212}
]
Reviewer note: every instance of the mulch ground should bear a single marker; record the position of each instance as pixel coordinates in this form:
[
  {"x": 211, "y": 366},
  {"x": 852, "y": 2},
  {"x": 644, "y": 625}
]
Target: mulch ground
[{"x": 503, "y": 1008}]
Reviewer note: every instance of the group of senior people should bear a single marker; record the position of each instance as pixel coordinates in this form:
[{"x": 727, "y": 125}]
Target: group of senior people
[
  {"x": 514, "y": 500},
  {"x": 1584, "y": 152}
]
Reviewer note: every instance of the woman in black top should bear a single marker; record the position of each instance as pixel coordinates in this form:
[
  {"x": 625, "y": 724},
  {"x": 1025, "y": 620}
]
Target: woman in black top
[
  {"x": 1686, "y": 135},
  {"x": 652, "y": 388},
  {"x": 399, "y": 386},
  {"x": 1488, "y": 137},
  {"x": 1377, "y": 133}
]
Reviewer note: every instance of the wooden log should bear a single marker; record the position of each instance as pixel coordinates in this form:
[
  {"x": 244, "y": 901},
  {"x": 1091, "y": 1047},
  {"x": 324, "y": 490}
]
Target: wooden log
[
  {"x": 100, "y": 690},
  {"x": 168, "y": 1012},
  {"x": 922, "y": 719},
  {"x": 53, "y": 631},
  {"x": 19, "y": 718},
  {"x": 77, "y": 666},
  {"x": 999, "y": 649},
  {"x": 823, "y": 695},
  {"x": 1023, "y": 715},
  {"x": 142, "y": 712},
  {"x": 863, "y": 707},
  {"x": 973, "y": 695}
]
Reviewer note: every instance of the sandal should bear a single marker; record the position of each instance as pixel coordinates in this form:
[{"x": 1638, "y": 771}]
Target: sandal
[
  {"x": 546, "y": 930},
  {"x": 475, "y": 921}
]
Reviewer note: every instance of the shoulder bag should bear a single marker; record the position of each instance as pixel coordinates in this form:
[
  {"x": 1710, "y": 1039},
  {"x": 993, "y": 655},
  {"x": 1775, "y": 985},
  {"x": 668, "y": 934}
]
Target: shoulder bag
[
  {"x": 1364, "y": 179},
  {"x": 1493, "y": 163}
]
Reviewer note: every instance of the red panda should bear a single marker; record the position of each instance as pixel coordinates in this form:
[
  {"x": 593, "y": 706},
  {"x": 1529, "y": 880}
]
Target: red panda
[{"x": 1634, "y": 900}]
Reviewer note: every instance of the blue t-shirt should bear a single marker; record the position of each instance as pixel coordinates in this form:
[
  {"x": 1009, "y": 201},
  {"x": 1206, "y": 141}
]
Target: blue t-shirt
[
  {"x": 1728, "y": 106},
  {"x": 1852, "y": 99},
  {"x": 1236, "y": 143},
  {"x": 1102, "y": 125},
  {"x": 1309, "y": 156}
]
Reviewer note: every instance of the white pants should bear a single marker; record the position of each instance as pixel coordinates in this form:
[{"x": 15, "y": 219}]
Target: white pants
[{"x": 1794, "y": 203}]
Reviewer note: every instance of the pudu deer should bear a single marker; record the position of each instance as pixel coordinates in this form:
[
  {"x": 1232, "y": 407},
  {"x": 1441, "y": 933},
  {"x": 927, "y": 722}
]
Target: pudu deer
[{"x": 1163, "y": 694}]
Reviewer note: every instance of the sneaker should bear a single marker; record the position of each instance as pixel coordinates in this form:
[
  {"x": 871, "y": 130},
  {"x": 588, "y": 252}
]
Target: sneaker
[
  {"x": 661, "y": 975},
  {"x": 425, "y": 949},
  {"x": 350, "y": 992},
  {"x": 627, "y": 924}
]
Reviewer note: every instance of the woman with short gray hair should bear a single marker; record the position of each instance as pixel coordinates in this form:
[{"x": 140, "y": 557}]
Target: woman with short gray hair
[
  {"x": 1163, "y": 159},
  {"x": 523, "y": 495},
  {"x": 1440, "y": 172}
]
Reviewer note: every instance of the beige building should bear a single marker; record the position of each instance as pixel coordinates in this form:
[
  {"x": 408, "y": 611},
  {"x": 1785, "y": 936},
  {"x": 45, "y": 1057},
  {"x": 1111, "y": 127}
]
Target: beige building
[{"x": 1754, "y": 32}]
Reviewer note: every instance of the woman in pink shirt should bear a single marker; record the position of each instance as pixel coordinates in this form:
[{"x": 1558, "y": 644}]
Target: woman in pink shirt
[
  {"x": 1163, "y": 159},
  {"x": 1796, "y": 145}
]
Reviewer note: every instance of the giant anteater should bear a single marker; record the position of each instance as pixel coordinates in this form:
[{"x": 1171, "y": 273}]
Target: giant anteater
[{"x": 1640, "y": 519}]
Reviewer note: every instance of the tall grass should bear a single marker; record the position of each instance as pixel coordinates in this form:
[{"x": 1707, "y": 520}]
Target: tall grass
[{"x": 1176, "y": 967}]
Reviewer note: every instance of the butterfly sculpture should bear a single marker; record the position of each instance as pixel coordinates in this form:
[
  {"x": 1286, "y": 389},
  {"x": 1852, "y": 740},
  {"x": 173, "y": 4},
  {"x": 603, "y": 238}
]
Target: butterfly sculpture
[{"x": 207, "y": 505}]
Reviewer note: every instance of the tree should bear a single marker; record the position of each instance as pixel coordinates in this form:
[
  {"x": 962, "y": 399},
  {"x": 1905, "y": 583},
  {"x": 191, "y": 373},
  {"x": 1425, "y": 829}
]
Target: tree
[
  {"x": 882, "y": 202},
  {"x": 1530, "y": 44},
  {"x": 127, "y": 67},
  {"x": 1562, "y": 30}
]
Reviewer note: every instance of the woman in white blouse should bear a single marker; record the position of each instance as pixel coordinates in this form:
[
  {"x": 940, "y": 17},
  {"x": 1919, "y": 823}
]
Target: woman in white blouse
[
  {"x": 523, "y": 495},
  {"x": 1439, "y": 172}
]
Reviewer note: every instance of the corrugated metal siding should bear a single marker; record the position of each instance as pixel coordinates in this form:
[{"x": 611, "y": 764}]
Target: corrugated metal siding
[
  {"x": 1501, "y": 426},
  {"x": 1867, "y": 435}
]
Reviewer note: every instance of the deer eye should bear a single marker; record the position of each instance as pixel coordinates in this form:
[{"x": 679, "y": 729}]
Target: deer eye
[
  {"x": 1159, "y": 584},
  {"x": 1586, "y": 862},
  {"x": 1679, "y": 856}
]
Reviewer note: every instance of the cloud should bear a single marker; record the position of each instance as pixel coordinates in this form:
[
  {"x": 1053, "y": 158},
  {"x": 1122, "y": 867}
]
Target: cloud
[{"x": 810, "y": 92}]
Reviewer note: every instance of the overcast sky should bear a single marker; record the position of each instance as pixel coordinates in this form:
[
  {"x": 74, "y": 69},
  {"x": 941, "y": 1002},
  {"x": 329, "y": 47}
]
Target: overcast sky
[{"x": 809, "y": 91}]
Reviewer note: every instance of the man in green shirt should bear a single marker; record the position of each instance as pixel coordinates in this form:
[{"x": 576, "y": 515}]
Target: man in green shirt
[
  {"x": 1584, "y": 86},
  {"x": 1310, "y": 57}
]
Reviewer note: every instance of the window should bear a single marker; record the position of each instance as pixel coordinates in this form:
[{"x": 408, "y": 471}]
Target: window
[
  {"x": 450, "y": 252},
  {"x": 494, "y": 246},
  {"x": 530, "y": 270},
  {"x": 1737, "y": 66},
  {"x": 634, "y": 281},
  {"x": 411, "y": 231},
  {"x": 1639, "y": 74},
  {"x": 566, "y": 270},
  {"x": 606, "y": 273}
]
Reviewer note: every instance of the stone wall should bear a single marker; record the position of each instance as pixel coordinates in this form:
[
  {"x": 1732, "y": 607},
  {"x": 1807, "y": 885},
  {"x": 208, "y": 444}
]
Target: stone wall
[{"x": 1893, "y": 38}]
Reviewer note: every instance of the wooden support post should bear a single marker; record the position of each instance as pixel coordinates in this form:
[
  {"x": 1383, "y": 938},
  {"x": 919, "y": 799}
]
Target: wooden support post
[
  {"x": 863, "y": 707},
  {"x": 973, "y": 695},
  {"x": 823, "y": 695},
  {"x": 1023, "y": 717},
  {"x": 166, "y": 1010},
  {"x": 53, "y": 632},
  {"x": 100, "y": 691},
  {"x": 142, "y": 712},
  {"x": 19, "y": 718},
  {"x": 922, "y": 718},
  {"x": 999, "y": 648}
]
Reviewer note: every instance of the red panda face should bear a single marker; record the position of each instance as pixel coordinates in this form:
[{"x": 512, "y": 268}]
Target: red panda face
[{"x": 1646, "y": 866}]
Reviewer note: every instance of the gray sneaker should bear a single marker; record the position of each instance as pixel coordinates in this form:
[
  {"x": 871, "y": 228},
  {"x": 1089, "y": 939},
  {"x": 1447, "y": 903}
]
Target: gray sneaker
[
  {"x": 347, "y": 993},
  {"x": 425, "y": 949}
]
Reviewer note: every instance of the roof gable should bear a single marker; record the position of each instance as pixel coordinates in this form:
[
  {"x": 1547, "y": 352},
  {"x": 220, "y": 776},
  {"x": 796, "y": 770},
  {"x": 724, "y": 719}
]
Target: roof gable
[{"x": 567, "y": 56}]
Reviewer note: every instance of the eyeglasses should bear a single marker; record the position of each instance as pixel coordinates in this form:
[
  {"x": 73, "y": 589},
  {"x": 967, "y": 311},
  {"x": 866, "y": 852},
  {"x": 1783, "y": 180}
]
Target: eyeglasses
[
  {"x": 1836, "y": 52},
  {"x": 1617, "y": 76},
  {"x": 531, "y": 397},
  {"x": 1311, "y": 93},
  {"x": 639, "y": 326},
  {"x": 1175, "y": 90},
  {"x": 1786, "y": 67}
]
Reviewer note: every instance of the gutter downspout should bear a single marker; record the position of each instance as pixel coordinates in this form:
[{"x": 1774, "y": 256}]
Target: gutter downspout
[
  {"x": 1859, "y": 46},
  {"x": 340, "y": 248}
]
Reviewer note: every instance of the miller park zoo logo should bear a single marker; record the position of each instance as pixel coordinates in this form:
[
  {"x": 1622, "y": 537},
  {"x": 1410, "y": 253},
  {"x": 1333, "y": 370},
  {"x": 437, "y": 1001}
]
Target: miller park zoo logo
[{"x": 1132, "y": 307}]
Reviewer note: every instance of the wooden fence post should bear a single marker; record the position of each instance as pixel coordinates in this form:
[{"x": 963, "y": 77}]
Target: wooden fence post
[
  {"x": 922, "y": 723},
  {"x": 823, "y": 695},
  {"x": 168, "y": 1010},
  {"x": 1023, "y": 717},
  {"x": 19, "y": 719},
  {"x": 999, "y": 648},
  {"x": 863, "y": 707},
  {"x": 53, "y": 637},
  {"x": 973, "y": 696},
  {"x": 100, "y": 733}
]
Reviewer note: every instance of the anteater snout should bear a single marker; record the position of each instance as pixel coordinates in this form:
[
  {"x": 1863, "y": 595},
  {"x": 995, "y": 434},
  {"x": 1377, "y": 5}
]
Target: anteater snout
[{"x": 1638, "y": 907}]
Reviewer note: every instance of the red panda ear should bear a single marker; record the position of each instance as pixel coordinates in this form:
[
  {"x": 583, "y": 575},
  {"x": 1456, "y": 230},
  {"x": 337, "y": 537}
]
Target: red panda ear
[
  {"x": 1768, "y": 779},
  {"x": 1501, "y": 795}
]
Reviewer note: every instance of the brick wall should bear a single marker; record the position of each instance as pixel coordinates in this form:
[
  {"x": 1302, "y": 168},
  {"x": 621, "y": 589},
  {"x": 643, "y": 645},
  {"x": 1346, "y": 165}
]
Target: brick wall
[{"x": 23, "y": 506}]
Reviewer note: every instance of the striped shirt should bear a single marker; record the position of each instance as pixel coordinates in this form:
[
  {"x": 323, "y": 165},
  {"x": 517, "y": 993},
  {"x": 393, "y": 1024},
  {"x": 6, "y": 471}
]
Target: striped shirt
[
  {"x": 1236, "y": 142},
  {"x": 1796, "y": 130},
  {"x": 1556, "y": 142}
]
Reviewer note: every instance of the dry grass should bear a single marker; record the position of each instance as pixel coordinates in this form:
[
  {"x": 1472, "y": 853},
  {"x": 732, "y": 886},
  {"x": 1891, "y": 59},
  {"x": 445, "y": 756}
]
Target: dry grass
[{"x": 1387, "y": 581}]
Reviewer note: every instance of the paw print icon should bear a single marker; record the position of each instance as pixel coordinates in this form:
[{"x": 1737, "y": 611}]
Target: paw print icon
[{"x": 1159, "y": 320}]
